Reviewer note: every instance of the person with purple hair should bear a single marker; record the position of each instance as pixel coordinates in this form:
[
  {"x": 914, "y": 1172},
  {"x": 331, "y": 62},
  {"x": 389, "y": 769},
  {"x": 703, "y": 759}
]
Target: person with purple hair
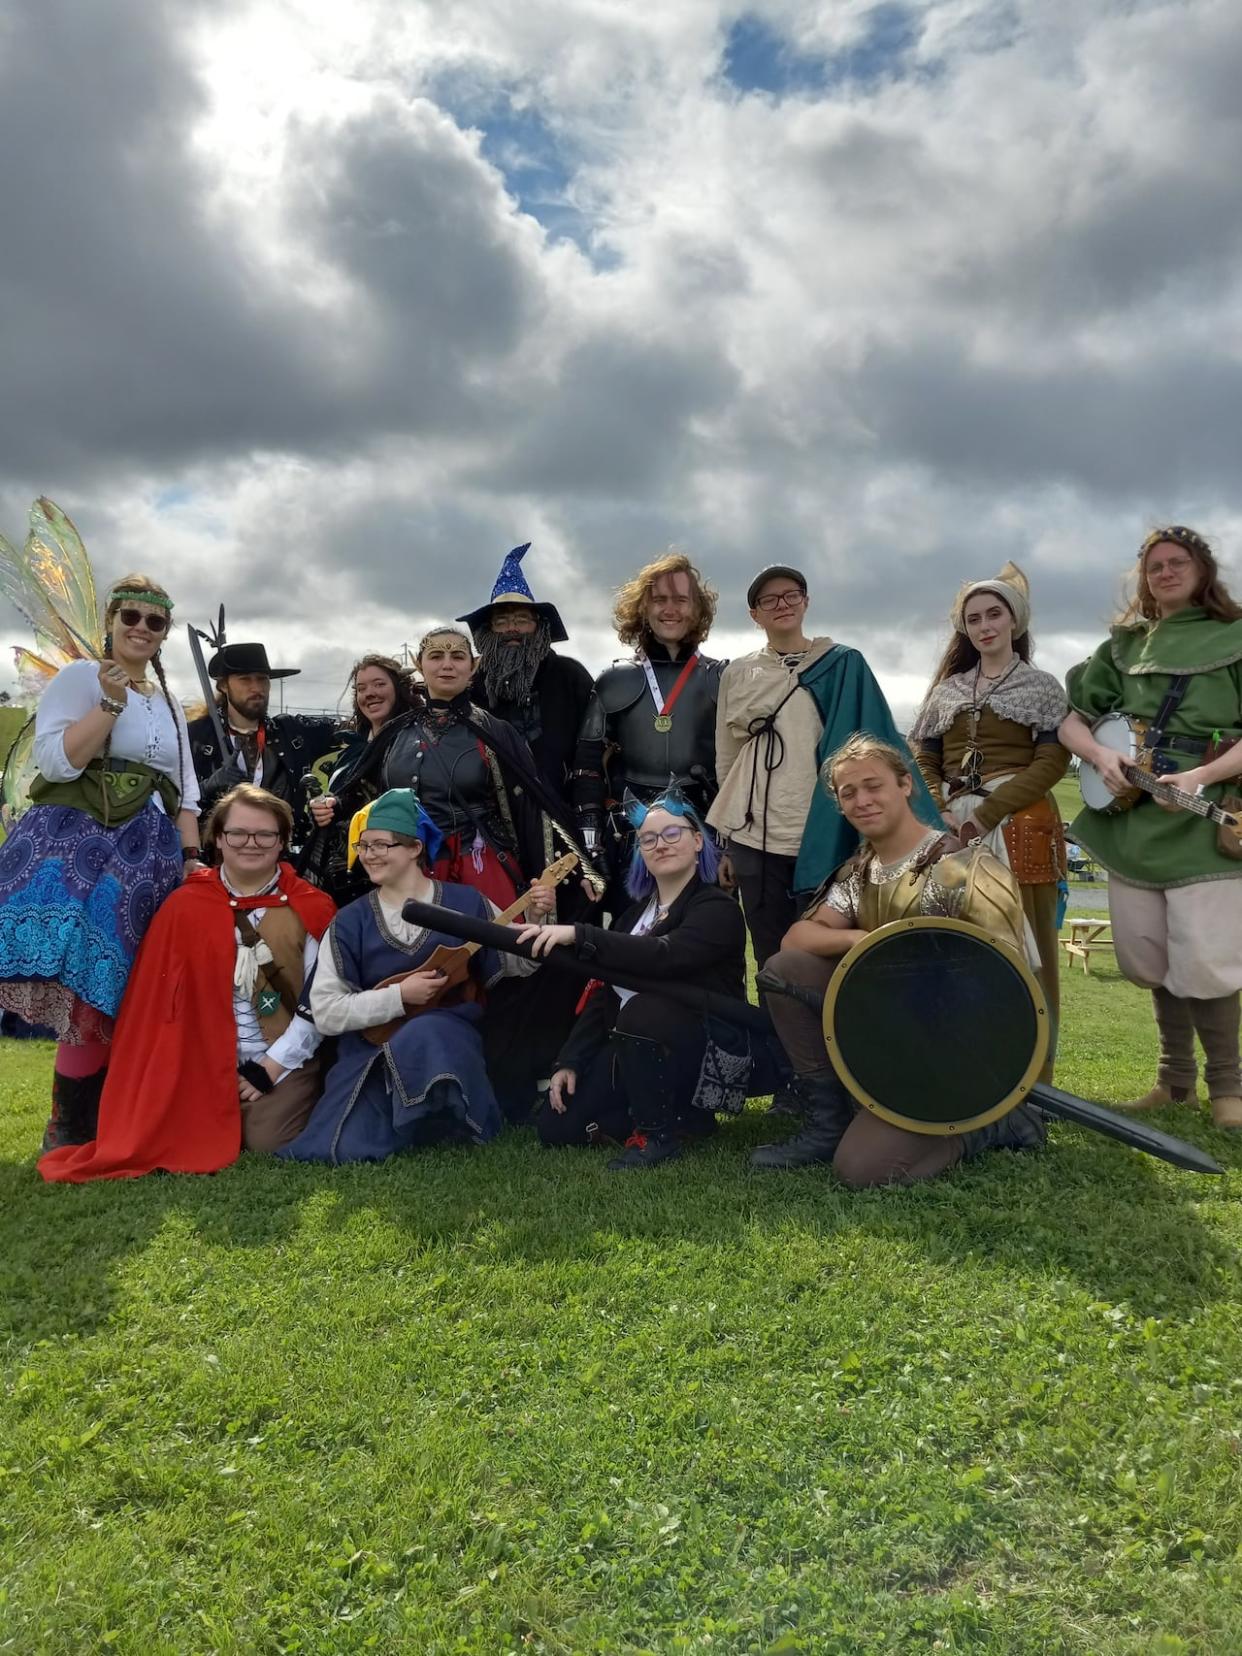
[{"x": 637, "y": 1068}]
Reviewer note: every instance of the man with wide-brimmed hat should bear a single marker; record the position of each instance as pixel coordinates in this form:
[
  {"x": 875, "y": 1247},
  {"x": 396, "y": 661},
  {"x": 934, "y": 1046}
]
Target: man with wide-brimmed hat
[
  {"x": 274, "y": 753},
  {"x": 522, "y": 679}
]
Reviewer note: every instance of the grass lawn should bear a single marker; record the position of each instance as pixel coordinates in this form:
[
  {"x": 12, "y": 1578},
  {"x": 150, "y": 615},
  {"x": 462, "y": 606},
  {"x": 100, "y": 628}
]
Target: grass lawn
[{"x": 505, "y": 1401}]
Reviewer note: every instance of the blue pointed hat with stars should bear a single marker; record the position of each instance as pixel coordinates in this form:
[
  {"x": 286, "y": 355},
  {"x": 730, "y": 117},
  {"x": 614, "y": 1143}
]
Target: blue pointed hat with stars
[{"x": 511, "y": 588}]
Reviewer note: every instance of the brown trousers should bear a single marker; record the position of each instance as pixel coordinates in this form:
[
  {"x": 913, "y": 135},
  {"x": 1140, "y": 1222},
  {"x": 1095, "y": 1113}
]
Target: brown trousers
[
  {"x": 277, "y": 1117},
  {"x": 873, "y": 1151}
]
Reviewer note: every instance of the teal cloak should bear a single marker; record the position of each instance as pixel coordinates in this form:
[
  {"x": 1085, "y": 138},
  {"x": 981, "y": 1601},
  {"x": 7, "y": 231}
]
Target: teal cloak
[{"x": 849, "y": 700}]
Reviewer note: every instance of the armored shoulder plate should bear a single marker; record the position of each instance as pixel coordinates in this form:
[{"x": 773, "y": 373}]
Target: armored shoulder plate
[
  {"x": 974, "y": 885},
  {"x": 620, "y": 686}
]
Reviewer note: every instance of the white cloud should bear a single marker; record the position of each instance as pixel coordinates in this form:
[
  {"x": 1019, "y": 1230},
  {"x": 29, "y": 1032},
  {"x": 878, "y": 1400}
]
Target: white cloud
[{"x": 899, "y": 329}]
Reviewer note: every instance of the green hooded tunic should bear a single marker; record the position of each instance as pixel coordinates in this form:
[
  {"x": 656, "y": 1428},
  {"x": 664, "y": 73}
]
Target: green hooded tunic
[{"x": 1130, "y": 673}]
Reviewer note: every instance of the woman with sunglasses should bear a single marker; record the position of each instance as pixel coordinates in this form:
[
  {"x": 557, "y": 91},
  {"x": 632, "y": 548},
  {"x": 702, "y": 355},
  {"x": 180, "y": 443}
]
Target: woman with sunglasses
[
  {"x": 409, "y": 1070},
  {"x": 113, "y": 823},
  {"x": 1174, "y": 662},
  {"x": 633, "y": 1069},
  {"x": 211, "y": 1054}
]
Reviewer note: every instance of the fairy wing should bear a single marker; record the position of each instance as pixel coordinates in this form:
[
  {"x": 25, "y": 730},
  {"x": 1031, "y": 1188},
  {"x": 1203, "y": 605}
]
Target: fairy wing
[
  {"x": 51, "y": 583},
  {"x": 20, "y": 771}
]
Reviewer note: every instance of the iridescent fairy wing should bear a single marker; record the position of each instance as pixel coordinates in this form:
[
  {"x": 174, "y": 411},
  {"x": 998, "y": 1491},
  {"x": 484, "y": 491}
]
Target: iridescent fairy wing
[
  {"x": 20, "y": 771},
  {"x": 51, "y": 583}
]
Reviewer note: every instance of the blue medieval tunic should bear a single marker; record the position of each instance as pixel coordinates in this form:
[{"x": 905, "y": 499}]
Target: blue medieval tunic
[{"x": 427, "y": 1084}]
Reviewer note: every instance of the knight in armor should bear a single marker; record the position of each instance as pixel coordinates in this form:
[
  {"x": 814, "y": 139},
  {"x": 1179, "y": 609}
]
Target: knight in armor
[
  {"x": 272, "y": 751},
  {"x": 1173, "y": 662},
  {"x": 651, "y": 721},
  {"x": 902, "y": 869},
  {"x": 522, "y": 679}
]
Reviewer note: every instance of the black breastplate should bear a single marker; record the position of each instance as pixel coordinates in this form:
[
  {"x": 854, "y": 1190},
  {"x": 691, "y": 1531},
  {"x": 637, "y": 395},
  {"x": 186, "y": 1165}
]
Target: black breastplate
[
  {"x": 444, "y": 766},
  {"x": 686, "y": 750}
]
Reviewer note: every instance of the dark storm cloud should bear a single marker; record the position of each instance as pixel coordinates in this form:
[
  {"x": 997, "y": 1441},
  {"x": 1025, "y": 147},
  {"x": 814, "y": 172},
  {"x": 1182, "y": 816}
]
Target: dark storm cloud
[{"x": 128, "y": 325}]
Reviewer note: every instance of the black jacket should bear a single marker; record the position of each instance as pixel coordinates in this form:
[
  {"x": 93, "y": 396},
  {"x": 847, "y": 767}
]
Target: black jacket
[
  {"x": 702, "y": 942},
  {"x": 292, "y": 743},
  {"x": 549, "y": 722}
]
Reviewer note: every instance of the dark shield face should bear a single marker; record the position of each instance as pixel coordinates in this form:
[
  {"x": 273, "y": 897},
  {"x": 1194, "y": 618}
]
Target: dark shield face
[{"x": 935, "y": 1026}]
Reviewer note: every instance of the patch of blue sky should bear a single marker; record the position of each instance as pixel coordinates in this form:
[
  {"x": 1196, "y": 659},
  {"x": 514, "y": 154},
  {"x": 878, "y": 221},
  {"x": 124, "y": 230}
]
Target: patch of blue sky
[
  {"x": 758, "y": 58},
  {"x": 531, "y": 156},
  {"x": 172, "y": 498}
]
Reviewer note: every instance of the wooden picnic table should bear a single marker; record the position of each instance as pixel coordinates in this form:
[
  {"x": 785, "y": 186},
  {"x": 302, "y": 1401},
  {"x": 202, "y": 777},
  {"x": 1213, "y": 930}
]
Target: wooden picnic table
[{"x": 1086, "y": 935}]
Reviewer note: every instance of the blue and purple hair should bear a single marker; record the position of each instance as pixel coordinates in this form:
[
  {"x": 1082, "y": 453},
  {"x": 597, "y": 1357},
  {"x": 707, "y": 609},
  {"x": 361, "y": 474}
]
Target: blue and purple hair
[{"x": 639, "y": 880}]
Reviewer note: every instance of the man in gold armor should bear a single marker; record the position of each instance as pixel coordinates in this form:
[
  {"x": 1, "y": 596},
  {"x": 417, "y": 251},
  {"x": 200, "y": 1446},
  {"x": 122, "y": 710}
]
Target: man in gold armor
[{"x": 903, "y": 870}]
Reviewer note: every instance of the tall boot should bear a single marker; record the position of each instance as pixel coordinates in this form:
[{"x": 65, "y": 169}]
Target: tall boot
[
  {"x": 648, "y": 1076},
  {"x": 1217, "y": 1021},
  {"x": 75, "y": 1109},
  {"x": 829, "y": 1111},
  {"x": 1177, "y": 1071}
]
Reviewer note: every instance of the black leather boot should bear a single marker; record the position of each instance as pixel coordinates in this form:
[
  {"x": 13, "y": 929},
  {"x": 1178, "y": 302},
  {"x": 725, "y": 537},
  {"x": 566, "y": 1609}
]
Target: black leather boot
[
  {"x": 75, "y": 1109},
  {"x": 828, "y": 1112},
  {"x": 648, "y": 1074}
]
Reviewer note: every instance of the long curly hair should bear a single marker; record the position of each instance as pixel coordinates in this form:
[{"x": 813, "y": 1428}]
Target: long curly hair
[
  {"x": 1212, "y": 595},
  {"x": 630, "y": 611},
  {"x": 409, "y": 696},
  {"x": 144, "y": 583}
]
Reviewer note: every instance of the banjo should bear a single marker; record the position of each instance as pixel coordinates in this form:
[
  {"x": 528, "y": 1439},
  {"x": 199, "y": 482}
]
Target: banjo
[{"x": 1124, "y": 736}]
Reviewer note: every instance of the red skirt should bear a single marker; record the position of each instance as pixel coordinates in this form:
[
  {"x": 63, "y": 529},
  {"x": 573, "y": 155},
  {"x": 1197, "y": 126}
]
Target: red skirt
[{"x": 459, "y": 863}]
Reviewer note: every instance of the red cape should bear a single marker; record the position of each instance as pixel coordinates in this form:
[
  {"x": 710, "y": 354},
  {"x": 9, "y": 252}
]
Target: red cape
[{"x": 170, "y": 1098}]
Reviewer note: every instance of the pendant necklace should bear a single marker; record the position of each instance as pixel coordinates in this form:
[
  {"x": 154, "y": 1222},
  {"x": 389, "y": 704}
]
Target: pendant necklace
[{"x": 972, "y": 758}]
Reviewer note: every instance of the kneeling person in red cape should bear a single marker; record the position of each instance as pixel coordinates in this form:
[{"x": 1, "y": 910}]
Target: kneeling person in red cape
[{"x": 210, "y": 1055}]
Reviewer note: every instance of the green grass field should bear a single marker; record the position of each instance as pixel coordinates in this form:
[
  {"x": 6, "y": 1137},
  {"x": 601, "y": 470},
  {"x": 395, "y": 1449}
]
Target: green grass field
[{"x": 505, "y": 1401}]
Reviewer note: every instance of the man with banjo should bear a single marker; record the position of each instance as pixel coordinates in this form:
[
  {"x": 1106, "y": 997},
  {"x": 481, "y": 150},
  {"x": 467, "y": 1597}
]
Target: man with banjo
[{"x": 1162, "y": 697}]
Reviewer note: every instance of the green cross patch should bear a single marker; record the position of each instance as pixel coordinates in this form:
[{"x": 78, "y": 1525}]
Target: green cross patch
[{"x": 269, "y": 1002}]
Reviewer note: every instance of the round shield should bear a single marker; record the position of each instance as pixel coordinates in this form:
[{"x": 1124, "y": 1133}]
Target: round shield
[{"x": 935, "y": 1025}]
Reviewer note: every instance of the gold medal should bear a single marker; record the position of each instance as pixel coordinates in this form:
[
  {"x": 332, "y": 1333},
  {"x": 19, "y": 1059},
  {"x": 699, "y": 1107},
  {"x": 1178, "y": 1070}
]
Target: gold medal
[{"x": 663, "y": 722}]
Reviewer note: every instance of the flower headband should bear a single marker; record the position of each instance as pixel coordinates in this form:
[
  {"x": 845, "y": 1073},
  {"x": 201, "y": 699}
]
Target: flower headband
[{"x": 1188, "y": 539}]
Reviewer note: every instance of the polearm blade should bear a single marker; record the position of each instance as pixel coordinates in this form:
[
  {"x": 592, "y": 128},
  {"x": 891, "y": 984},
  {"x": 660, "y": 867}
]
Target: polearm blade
[
  {"x": 1137, "y": 1134},
  {"x": 227, "y": 750}
]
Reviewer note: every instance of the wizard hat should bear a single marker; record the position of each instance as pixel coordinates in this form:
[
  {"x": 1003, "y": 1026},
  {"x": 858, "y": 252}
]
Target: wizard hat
[{"x": 511, "y": 588}]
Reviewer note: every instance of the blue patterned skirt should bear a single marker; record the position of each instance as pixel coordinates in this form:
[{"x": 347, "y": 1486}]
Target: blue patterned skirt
[{"x": 76, "y": 899}]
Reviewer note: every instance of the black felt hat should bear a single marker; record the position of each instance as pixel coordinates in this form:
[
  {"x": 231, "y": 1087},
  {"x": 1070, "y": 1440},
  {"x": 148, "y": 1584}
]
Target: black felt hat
[{"x": 244, "y": 658}]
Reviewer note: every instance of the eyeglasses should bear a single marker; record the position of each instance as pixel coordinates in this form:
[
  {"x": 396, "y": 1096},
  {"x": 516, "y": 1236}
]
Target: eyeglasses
[
  {"x": 778, "y": 600},
  {"x": 151, "y": 619},
  {"x": 670, "y": 836},
  {"x": 1171, "y": 566},
  {"x": 264, "y": 838},
  {"x": 376, "y": 848},
  {"x": 513, "y": 623}
]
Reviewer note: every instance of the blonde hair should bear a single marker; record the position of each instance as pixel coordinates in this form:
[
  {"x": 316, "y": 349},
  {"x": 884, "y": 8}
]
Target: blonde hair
[
  {"x": 247, "y": 793},
  {"x": 863, "y": 746},
  {"x": 630, "y": 612}
]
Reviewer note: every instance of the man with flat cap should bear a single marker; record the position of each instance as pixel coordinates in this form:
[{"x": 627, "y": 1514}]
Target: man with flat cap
[
  {"x": 521, "y": 678},
  {"x": 781, "y": 711},
  {"x": 272, "y": 752}
]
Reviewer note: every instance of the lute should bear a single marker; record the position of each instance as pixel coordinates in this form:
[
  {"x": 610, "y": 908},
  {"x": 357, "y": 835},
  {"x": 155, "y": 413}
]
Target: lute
[{"x": 454, "y": 960}]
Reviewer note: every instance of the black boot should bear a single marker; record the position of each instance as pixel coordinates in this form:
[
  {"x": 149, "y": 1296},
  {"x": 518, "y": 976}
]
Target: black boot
[
  {"x": 75, "y": 1110},
  {"x": 829, "y": 1112},
  {"x": 648, "y": 1075}
]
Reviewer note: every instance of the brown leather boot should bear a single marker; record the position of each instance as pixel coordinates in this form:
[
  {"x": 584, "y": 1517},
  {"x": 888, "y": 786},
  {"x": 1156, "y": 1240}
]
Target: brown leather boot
[
  {"x": 1227, "y": 1112},
  {"x": 1161, "y": 1097}
]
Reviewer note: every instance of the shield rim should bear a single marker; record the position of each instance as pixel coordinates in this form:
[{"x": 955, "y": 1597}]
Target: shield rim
[{"x": 938, "y": 1129}]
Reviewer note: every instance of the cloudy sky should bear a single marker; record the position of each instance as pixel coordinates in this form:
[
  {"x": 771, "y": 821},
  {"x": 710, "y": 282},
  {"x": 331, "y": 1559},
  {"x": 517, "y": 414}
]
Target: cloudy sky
[{"x": 317, "y": 309}]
